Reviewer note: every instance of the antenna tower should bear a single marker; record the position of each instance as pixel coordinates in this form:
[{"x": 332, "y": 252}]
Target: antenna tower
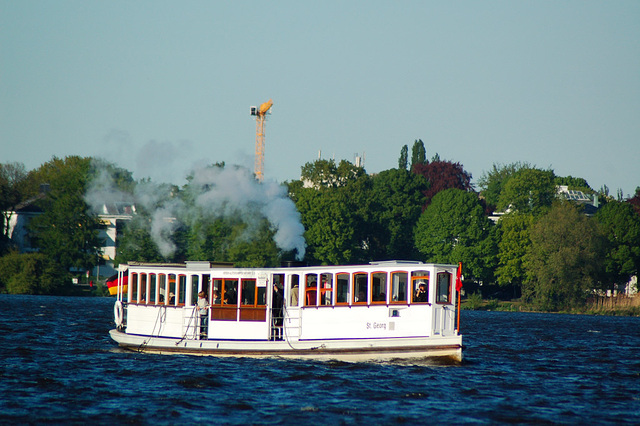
[{"x": 260, "y": 115}]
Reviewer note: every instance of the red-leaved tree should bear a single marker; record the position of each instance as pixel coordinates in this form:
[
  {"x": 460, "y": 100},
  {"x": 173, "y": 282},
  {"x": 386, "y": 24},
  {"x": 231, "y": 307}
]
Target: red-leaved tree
[{"x": 443, "y": 175}]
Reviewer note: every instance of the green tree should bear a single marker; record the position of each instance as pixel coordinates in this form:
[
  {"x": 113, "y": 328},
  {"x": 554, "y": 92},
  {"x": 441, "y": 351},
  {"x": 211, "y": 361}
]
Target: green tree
[
  {"x": 398, "y": 195},
  {"x": 336, "y": 211},
  {"x": 528, "y": 190},
  {"x": 492, "y": 182},
  {"x": 564, "y": 260},
  {"x": 621, "y": 226},
  {"x": 326, "y": 174},
  {"x": 258, "y": 251},
  {"x": 135, "y": 244},
  {"x": 32, "y": 273},
  {"x": 454, "y": 229},
  {"x": 513, "y": 244},
  {"x": 66, "y": 231},
  {"x": 404, "y": 158},
  {"x": 574, "y": 183},
  {"x": 418, "y": 153}
]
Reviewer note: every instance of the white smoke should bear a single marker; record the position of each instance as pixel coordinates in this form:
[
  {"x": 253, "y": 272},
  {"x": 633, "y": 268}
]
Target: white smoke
[
  {"x": 217, "y": 192},
  {"x": 233, "y": 190}
]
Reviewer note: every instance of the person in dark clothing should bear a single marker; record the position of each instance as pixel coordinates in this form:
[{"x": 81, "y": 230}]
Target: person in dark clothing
[{"x": 277, "y": 302}]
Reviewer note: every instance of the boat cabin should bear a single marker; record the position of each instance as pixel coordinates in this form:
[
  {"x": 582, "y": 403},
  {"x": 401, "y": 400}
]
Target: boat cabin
[{"x": 393, "y": 299}]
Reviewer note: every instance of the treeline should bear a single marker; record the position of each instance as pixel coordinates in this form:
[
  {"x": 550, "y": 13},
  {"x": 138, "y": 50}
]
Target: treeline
[{"x": 543, "y": 247}]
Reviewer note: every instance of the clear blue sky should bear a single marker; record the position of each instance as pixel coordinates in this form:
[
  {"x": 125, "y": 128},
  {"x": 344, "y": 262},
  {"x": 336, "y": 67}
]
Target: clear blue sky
[{"x": 157, "y": 85}]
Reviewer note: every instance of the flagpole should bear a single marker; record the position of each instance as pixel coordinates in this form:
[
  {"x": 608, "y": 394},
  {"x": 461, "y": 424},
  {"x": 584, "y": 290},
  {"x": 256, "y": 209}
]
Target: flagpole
[{"x": 459, "y": 290}]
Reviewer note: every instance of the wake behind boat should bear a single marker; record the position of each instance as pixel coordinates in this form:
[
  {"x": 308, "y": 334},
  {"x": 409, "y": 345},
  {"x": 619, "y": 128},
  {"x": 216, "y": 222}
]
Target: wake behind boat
[{"x": 380, "y": 311}]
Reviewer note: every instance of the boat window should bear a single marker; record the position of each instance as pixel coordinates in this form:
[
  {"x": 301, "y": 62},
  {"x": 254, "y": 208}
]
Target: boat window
[
  {"x": 342, "y": 288},
  {"x": 153, "y": 288},
  {"x": 420, "y": 286},
  {"x": 262, "y": 296},
  {"x": 379, "y": 287},
  {"x": 248, "y": 293},
  {"x": 295, "y": 288},
  {"x": 399, "y": 282},
  {"x": 182, "y": 289},
  {"x": 326, "y": 289},
  {"x": 216, "y": 292},
  {"x": 171, "y": 298},
  {"x": 230, "y": 288},
  {"x": 443, "y": 287},
  {"x": 195, "y": 281},
  {"x": 134, "y": 288},
  {"x": 311, "y": 290},
  {"x": 162, "y": 288},
  {"x": 360, "y": 287},
  {"x": 143, "y": 288}
]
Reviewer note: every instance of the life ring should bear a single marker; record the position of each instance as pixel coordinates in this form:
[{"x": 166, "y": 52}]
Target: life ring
[{"x": 118, "y": 313}]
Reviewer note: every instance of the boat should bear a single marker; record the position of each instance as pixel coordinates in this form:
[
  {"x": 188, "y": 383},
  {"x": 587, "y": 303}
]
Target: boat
[{"x": 381, "y": 311}]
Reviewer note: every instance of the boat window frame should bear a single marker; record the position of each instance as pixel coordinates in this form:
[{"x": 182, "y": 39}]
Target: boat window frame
[
  {"x": 367, "y": 287},
  {"x": 294, "y": 287},
  {"x": 385, "y": 288},
  {"x": 133, "y": 289},
  {"x": 449, "y": 288},
  {"x": 310, "y": 291},
  {"x": 171, "y": 286},
  {"x": 406, "y": 287},
  {"x": 225, "y": 311},
  {"x": 152, "y": 289},
  {"x": 323, "y": 290},
  {"x": 193, "y": 301},
  {"x": 181, "y": 289},
  {"x": 415, "y": 282},
  {"x": 253, "y": 294},
  {"x": 162, "y": 289},
  {"x": 347, "y": 295}
]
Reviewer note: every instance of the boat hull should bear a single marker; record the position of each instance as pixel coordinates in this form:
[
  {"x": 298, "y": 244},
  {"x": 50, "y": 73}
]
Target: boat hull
[{"x": 447, "y": 349}]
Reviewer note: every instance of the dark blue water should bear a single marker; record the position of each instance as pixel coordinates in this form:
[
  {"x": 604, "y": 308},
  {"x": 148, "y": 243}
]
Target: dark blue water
[{"x": 58, "y": 365}]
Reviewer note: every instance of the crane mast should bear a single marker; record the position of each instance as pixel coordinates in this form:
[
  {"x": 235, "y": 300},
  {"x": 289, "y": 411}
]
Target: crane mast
[{"x": 260, "y": 114}]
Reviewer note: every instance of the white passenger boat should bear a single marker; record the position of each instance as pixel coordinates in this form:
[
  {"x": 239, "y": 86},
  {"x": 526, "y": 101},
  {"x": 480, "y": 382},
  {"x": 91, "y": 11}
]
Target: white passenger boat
[{"x": 350, "y": 313}]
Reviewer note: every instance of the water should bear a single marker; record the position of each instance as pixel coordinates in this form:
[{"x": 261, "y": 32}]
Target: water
[{"x": 58, "y": 365}]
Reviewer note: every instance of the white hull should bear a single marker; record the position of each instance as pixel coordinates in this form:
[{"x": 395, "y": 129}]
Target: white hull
[{"x": 352, "y": 350}]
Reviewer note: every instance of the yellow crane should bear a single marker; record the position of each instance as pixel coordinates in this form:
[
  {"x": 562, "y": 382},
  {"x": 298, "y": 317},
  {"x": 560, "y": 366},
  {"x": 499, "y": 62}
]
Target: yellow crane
[{"x": 260, "y": 114}]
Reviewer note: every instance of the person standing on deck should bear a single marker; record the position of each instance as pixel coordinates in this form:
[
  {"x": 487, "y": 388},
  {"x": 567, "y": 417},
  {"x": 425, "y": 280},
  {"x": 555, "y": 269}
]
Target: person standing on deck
[
  {"x": 277, "y": 301},
  {"x": 203, "y": 311}
]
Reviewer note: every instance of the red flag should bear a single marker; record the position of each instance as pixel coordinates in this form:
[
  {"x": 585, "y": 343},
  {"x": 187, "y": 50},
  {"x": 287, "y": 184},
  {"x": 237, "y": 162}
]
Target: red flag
[{"x": 459, "y": 277}]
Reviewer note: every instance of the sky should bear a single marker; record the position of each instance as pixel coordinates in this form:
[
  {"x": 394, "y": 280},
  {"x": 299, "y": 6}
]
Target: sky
[{"x": 160, "y": 86}]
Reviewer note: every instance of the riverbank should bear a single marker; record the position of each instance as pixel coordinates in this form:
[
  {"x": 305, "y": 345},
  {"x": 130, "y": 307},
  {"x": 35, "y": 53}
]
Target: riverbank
[{"x": 616, "y": 306}]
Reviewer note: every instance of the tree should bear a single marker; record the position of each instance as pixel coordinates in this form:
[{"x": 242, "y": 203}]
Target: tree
[
  {"x": 66, "y": 231},
  {"x": 398, "y": 195},
  {"x": 528, "y": 190},
  {"x": 574, "y": 183},
  {"x": 336, "y": 211},
  {"x": 564, "y": 260},
  {"x": 418, "y": 153},
  {"x": 135, "y": 243},
  {"x": 513, "y": 244},
  {"x": 325, "y": 173},
  {"x": 621, "y": 226},
  {"x": 635, "y": 201},
  {"x": 31, "y": 273},
  {"x": 443, "y": 175},
  {"x": 404, "y": 158},
  {"x": 454, "y": 229},
  {"x": 330, "y": 225},
  {"x": 491, "y": 183}
]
